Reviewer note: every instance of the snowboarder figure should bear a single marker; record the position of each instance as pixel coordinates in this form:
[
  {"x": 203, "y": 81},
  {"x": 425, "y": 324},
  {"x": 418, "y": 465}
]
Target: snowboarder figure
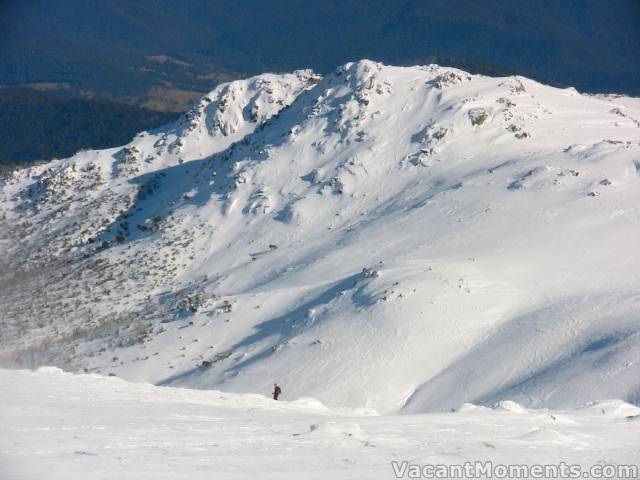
[{"x": 276, "y": 391}]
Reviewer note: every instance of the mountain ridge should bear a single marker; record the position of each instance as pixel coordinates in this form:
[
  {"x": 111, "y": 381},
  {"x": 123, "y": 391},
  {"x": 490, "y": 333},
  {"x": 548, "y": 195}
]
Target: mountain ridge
[{"x": 397, "y": 238}]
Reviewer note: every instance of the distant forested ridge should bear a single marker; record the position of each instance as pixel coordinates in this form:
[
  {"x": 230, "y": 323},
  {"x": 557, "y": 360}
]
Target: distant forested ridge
[
  {"x": 42, "y": 125},
  {"x": 124, "y": 47},
  {"x": 162, "y": 54}
]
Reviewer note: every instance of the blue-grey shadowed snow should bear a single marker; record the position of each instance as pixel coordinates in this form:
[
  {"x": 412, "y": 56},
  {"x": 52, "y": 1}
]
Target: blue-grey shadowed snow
[
  {"x": 280, "y": 329},
  {"x": 572, "y": 329}
]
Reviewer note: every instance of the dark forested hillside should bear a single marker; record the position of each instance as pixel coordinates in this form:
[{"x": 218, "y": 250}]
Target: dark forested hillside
[
  {"x": 42, "y": 125},
  {"x": 123, "y": 47},
  {"x": 161, "y": 54}
]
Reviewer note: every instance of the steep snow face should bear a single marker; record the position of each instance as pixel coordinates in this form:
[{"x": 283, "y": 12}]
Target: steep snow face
[
  {"x": 386, "y": 237},
  {"x": 57, "y": 218}
]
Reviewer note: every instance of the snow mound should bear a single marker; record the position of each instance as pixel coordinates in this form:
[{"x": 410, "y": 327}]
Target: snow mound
[
  {"x": 350, "y": 429},
  {"x": 51, "y": 370},
  {"x": 550, "y": 437},
  {"x": 509, "y": 406},
  {"x": 310, "y": 403},
  {"x": 470, "y": 407},
  {"x": 611, "y": 409}
]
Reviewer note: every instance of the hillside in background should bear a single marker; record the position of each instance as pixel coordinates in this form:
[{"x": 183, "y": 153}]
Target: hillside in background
[
  {"x": 40, "y": 125},
  {"x": 124, "y": 47},
  {"x": 396, "y": 238},
  {"x": 162, "y": 55}
]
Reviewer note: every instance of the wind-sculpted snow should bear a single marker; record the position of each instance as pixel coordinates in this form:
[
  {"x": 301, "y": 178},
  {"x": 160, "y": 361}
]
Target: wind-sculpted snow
[
  {"x": 57, "y": 425},
  {"x": 382, "y": 238}
]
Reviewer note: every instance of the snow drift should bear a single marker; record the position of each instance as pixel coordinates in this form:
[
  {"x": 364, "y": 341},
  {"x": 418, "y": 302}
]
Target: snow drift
[{"x": 56, "y": 425}]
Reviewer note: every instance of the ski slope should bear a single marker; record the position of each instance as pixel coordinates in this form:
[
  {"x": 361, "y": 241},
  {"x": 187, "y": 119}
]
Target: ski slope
[
  {"x": 57, "y": 425},
  {"x": 402, "y": 239}
]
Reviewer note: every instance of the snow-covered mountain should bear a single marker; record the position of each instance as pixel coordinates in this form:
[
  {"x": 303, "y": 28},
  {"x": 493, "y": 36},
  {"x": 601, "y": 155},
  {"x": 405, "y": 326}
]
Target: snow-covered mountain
[{"x": 390, "y": 238}]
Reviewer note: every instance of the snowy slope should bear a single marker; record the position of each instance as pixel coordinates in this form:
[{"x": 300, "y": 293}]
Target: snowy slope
[
  {"x": 389, "y": 238},
  {"x": 56, "y": 425}
]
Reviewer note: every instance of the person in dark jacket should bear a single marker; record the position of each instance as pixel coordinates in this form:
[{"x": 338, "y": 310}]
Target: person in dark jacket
[{"x": 276, "y": 391}]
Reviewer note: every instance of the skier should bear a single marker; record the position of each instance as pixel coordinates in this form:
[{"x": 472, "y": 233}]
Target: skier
[{"x": 276, "y": 391}]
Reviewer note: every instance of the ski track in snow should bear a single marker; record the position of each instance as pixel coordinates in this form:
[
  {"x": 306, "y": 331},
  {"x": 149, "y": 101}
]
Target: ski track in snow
[
  {"x": 57, "y": 425},
  {"x": 400, "y": 239}
]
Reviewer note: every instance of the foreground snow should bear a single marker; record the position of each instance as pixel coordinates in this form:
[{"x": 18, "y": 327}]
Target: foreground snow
[{"x": 56, "y": 425}]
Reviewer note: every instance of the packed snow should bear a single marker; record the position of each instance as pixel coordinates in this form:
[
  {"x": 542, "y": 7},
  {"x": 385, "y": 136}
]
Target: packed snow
[
  {"x": 401, "y": 239},
  {"x": 56, "y": 425}
]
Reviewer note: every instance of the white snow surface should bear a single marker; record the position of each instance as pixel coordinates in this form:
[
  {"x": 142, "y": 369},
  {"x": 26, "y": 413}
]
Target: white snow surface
[
  {"x": 390, "y": 238},
  {"x": 56, "y": 425}
]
